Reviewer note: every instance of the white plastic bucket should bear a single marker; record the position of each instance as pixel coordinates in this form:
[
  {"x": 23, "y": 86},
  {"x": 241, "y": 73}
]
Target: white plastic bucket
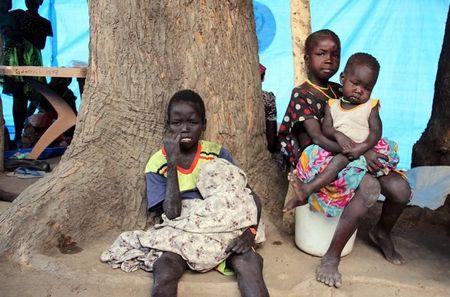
[{"x": 314, "y": 231}]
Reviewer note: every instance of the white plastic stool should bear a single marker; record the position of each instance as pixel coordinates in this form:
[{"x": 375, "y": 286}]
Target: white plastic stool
[{"x": 314, "y": 231}]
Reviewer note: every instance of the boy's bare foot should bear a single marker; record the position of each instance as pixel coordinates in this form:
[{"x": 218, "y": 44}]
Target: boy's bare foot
[
  {"x": 327, "y": 272},
  {"x": 383, "y": 240},
  {"x": 300, "y": 195}
]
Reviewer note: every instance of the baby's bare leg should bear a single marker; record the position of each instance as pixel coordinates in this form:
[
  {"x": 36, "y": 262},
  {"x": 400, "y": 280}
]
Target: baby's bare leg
[
  {"x": 397, "y": 193},
  {"x": 167, "y": 270},
  {"x": 368, "y": 191},
  {"x": 303, "y": 190}
]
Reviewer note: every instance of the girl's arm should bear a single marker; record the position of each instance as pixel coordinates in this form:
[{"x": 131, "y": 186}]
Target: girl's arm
[
  {"x": 172, "y": 201},
  {"x": 327, "y": 124},
  {"x": 314, "y": 131}
]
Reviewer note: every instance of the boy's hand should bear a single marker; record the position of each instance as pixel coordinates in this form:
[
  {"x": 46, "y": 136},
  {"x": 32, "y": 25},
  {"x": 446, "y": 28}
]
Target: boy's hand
[
  {"x": 172, "y": 147},
  {"x": 242, "y": 243},
  {"x": 344, "y": 142}
]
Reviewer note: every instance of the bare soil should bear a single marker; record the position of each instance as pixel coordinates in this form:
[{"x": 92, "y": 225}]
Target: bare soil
[{"x": 287, "y": 270}]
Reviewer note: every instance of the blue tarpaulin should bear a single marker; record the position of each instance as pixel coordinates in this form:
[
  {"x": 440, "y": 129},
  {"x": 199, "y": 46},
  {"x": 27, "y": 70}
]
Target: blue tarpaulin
[
  {"x": 70, "y": 24},
  {"x": 404, "y": 35}
]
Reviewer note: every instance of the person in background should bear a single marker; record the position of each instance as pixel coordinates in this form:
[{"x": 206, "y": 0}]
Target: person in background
[
  {"x": 270, "y": 111},
  {"x": 24, "y": 35}
]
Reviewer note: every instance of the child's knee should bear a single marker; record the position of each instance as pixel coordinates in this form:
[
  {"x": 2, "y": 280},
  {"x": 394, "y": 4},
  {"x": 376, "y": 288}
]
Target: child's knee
[
  {"x": 396, "y": 188},
  {"x": 401, "y": 191},
  {"x": 371, "y": 190}
]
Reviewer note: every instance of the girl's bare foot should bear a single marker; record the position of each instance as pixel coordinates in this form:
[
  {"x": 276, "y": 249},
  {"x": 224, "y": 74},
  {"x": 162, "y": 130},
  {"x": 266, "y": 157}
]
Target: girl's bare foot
[
  {"x": 383, "y": 240},
  {"x": 300, "y": 194},
  {"x": 327, "y": 272}
]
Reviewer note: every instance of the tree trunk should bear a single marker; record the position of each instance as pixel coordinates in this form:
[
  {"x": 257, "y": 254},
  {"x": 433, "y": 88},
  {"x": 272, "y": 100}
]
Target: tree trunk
[
  {"x": 2, "y": 119},
  {"x": 301, "y": 28},
  {"x": 433, "y": 147},
  {"x": 141, "y": 52},
  {"x": 2, "y": 135}
]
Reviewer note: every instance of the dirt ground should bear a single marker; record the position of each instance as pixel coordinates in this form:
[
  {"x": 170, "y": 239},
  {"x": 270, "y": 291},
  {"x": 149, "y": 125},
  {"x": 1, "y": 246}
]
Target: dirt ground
[{"x": 287, "y": 270}]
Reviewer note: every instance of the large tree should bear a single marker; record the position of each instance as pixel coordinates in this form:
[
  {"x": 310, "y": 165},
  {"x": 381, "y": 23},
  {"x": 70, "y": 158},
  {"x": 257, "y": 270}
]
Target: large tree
[
  {"x": 433, "y": 147},
  {"x": 141, "y": 52}
]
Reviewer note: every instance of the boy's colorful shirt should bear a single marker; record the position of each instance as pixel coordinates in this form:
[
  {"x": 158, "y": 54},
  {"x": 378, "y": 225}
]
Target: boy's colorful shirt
[
  {"x": 303, "y": 105},
  {"x": 156, "y": 172}
]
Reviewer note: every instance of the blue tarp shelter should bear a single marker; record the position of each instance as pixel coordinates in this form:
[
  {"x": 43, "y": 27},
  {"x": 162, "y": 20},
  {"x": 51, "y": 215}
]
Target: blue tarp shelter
[{"x": 404, "y": 35}]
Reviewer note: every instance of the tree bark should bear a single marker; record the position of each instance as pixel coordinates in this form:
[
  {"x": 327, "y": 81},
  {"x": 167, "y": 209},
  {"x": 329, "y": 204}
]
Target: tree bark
[
  {"x": 301, "y": 28},
  {"x": 2, "y": 119},
  {"x": 141, "y": 53},
  {"x": 2, "y": 135},
  {"x": 433, "y": 147}
]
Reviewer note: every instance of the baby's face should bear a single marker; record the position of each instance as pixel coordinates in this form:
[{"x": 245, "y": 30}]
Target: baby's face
[{"x": 358, "y": 83}]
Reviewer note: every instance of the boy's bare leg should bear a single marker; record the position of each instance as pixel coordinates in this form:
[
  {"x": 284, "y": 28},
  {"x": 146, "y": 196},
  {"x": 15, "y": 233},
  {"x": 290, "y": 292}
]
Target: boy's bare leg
[
  {"x": 303, "y": 190},
  {"x": 167, "y": 270},
  {"x": 397, "y": 192},
  {"x": 248, "y": 268},
  {"x": 366, "y": 195}
]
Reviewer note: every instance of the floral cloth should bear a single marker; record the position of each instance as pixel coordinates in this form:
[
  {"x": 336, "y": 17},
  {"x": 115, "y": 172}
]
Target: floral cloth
[
  {"x": 202, "y": 232},
  {"x": 270, "y": 109},
  {"x": 333, "y": 198}
]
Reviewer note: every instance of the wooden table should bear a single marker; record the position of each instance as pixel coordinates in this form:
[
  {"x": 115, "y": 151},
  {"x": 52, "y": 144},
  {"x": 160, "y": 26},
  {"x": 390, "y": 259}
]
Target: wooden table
[
  {"x": 66, "y": 118},
  {"x": 43, "y": 71}
]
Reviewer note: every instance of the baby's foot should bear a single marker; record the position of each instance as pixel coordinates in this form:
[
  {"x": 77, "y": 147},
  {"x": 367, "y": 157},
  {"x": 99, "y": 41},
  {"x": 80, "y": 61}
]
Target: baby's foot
[
  {"x": 300, "y": 194},
  {"x": 293, "y": 203},
  {"x": 327, "y": 272},
  {"x": 383, "y": 240}
]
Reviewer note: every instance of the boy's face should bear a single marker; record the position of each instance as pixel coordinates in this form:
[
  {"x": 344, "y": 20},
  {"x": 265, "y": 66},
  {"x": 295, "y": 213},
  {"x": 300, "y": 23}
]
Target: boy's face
[
  {"x": 185, "y": 120},
  {"x": 358, "y": 83},
  {"x": 323, "y": 59}
]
